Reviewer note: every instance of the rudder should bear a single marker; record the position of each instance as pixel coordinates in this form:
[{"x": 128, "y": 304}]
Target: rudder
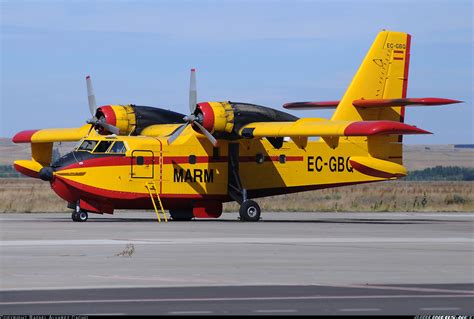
[{"x": 382, "y": 75}]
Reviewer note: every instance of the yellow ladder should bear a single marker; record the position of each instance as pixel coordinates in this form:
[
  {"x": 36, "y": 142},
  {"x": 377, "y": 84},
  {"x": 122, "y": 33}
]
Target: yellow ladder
[{"x": 150, "y": 186}]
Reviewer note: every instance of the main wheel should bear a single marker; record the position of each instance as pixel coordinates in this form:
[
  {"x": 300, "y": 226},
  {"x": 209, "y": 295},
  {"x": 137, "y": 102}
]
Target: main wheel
[
  {"x": 181, "y": 214},
  {"x": 82, "y": 216},
  {"x": 74, "y": 216},
  {"x": 249, "y": 211}
]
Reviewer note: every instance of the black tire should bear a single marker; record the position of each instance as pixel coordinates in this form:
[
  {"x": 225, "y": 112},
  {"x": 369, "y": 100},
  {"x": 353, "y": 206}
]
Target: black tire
[
  {"x": 74, "y": 216},
  {"x": 249, "y": 211},
  {"x": 181, "y": 215},
  {"x": 82, "y": 216}
]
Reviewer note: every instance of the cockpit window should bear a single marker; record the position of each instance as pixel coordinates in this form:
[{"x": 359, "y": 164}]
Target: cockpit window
[
  {"x": 118, "y": 147},
  {"x": 103, "y": 146},
  {"x": 87, "y": 145}
]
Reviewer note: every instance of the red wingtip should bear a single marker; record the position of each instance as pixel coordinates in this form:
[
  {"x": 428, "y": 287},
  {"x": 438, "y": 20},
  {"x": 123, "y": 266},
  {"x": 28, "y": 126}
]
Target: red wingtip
[
  {"x": 24, "y": 136},
  {"x": 311, "y": 105},
  {"x": 26, "y": 171}
]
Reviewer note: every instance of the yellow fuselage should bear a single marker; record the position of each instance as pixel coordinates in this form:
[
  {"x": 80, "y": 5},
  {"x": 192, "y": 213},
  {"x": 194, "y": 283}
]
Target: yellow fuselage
[{"x": 191, "y": 172}]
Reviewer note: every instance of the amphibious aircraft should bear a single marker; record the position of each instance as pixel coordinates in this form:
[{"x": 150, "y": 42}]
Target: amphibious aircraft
[{"x": 131, "y": 157}]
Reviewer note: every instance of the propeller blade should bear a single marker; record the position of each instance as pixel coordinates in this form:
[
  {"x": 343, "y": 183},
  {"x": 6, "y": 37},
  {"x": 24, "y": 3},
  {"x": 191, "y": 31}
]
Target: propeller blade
[
  {"x": 192, "y": 92},
  {"x": 90, "y": 129},
  {"x": 91, "y": 96},
  {"x": 176, "y": 133},
  {"x": 211, "y": 138},
  {"x": 109, "y": 127}
]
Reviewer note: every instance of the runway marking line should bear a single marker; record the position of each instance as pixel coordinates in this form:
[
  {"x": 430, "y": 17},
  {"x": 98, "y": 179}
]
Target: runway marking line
[
  {"x": 228, "y": 299},
  {"x": 235, "y": 240},
  {"x": 360, "y": 309},
  {"x": 420, "y": 289},
  {"x": 440, "y": 308},
  {"x": 190, "y": 312},
  {"x": 276, "y": 311}
]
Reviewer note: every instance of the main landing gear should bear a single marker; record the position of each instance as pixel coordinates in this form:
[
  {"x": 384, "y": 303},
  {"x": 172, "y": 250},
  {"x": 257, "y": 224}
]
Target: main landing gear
[{"x": 249, "y": 211}]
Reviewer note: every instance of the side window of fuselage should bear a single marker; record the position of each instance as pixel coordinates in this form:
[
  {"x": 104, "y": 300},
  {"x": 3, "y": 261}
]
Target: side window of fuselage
[{"x": 118, "y": 148}]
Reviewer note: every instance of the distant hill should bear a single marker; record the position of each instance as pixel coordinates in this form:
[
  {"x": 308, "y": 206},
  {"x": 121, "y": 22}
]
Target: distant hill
[{"x": 416, "y": 157}]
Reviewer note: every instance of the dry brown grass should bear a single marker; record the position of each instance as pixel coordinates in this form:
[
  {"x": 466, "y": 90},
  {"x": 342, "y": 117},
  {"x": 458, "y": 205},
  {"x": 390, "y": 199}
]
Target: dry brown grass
[
  {"x": 34, "y": 196},
  {"x": 393, "y": 196},
  {"x": 27, "y": 195}
]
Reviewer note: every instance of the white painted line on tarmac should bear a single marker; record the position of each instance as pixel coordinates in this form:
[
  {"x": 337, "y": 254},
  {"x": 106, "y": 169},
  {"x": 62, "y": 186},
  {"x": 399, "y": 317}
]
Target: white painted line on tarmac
[
  {"x": 75, "y": 301},
  {"x": 190, "y": 312},
  {"x": 359, "y": 309},
  {"x": 232, "y": 240},
  {"x": 440, "y": 308},
  {"x": 418, "y": 289},
  {"x": 276, "y": 311}
]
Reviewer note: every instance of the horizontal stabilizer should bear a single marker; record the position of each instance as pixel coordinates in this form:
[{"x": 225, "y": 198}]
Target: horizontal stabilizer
[
  {"x": 52, "y": 135},
  {"x": 403, "y": 102},
  {"x": 367, "y": 103},
  {"x": 376, "y": 167},
  {"x": 321, "y": 127},
  {"x": 311, "y": 105}
]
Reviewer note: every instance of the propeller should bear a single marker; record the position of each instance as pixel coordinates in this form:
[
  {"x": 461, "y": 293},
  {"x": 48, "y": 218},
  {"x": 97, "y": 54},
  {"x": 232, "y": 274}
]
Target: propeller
[
  {"x": 97, "y": 122},
  {"x": 194, "y": 118}
]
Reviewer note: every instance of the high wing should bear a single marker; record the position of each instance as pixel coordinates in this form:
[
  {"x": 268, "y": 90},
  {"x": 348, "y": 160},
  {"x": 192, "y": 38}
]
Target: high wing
[{"x": 53, "y": 135}]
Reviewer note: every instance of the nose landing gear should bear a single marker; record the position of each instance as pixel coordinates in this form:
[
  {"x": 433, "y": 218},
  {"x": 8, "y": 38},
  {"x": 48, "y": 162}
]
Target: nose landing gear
[{"x": 79, "y": 215}]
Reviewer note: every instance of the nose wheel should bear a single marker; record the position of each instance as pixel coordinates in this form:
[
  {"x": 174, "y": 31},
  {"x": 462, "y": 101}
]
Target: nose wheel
[
  {"x": 79, "y": 215},
  {"x": 249, "y": 211}
]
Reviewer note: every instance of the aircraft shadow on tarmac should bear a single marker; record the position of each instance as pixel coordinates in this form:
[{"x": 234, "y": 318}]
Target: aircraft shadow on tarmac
[{"x": 388, "y": 221}]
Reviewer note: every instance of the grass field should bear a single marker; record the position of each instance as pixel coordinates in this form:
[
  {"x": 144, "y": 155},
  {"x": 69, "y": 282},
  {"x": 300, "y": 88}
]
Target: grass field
[{"x": 34, "y": 196}]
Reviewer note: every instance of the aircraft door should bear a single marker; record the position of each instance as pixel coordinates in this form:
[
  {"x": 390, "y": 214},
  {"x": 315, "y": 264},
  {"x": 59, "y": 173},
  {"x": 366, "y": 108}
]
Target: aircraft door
[{"x": 142, "y": 165}]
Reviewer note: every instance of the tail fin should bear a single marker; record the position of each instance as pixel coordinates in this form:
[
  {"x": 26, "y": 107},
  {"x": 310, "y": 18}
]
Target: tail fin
[{"x": 382, "y": 75}]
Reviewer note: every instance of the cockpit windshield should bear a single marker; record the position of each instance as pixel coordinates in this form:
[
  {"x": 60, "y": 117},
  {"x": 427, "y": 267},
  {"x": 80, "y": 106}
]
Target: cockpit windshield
[
  {"x": 118, "y": 147},
  {"x": 87, "y": 145},
  {"x": 115, "y": 147},
  {"x": 103, "y": 146}
]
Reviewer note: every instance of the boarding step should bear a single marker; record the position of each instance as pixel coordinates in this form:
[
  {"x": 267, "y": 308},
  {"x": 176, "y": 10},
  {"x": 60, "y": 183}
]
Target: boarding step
[{"x": 152, "y": 190}]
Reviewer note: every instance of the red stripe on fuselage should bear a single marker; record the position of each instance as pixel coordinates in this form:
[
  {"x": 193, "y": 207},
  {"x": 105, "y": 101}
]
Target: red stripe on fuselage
[
  {"x": 72, "y": 191},
  {"x": 126, "y": 161}
]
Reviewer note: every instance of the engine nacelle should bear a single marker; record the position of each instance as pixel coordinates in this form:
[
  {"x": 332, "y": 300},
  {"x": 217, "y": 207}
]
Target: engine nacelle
[
  {"x": 132, "y": 119},
  {"x": 229, "y": 117}
]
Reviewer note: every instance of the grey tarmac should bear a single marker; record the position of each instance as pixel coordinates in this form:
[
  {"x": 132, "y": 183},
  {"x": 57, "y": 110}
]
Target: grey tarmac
[{"x": 288, "y": 263}]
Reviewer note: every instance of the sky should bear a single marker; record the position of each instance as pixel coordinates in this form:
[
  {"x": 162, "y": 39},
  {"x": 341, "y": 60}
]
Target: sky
[{"x": 262, "y": 52}]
